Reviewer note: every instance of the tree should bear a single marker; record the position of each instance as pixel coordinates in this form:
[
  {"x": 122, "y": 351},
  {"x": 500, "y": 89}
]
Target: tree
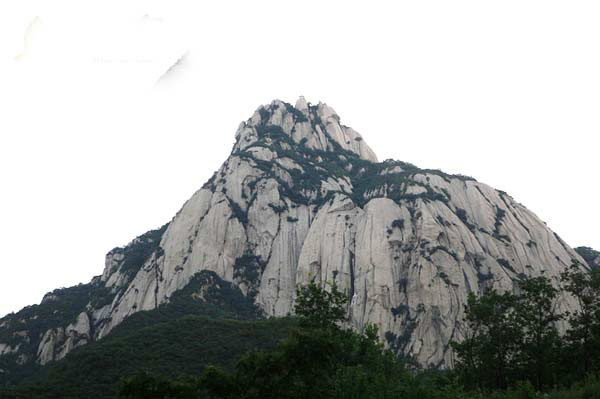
[
  {"x": 510, "y": 337},
  {"x": 582, "y": 340},
  {"x": 321, "y": 359},
  {"x": 152, "y": 386},
  {"x": 537, "y": 318},
  {"x": 319, "y": 308},
  {"x": 486, "y": 357}
]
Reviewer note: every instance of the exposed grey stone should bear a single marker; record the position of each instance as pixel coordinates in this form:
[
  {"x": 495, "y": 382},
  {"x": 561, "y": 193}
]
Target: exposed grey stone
[{"x": 407, "y": 264}]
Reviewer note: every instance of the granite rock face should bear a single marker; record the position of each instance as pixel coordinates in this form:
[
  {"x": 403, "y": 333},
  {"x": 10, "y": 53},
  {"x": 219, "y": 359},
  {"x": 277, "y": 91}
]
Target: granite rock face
[
  {"x": 57, "y": 342},
  {"x": 302, "y": 197}
]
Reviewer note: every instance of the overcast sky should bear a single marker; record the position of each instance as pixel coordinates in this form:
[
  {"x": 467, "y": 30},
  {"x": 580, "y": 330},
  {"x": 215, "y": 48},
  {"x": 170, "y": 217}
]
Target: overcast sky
[{"x": 99, "y": 143}]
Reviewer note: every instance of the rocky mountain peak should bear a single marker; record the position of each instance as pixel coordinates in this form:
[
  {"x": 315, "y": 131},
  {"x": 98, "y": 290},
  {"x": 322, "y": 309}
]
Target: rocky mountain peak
[
  {"x": 301, "y": 104},
  {"x": 316, "y": 127},
  {"x": 302, "y": 198}
]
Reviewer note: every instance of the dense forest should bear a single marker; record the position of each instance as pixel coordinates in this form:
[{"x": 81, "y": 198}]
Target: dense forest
[{"x": 513, "y": 349}]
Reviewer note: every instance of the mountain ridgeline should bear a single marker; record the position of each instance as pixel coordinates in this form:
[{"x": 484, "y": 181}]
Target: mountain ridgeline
[
  {"x": 591, "y": 257},
  {"x": 303, "y": 198}
]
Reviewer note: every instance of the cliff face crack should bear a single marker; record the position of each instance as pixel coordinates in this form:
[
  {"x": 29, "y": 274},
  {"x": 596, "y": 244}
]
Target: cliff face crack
[
  {"x": 484, "y": 196},
  {"x": 156, "y": 288},
  {"x": 273, "y": 241},
  {"x": 352, "y": 260}
]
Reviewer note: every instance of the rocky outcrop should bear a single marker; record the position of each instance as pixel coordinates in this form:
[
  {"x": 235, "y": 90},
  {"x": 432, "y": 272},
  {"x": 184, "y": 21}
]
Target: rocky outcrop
[
  {"x": 301, "y": 198},
  {"x": 6, "y": 349},
  {"x": 57, "y": 342}
]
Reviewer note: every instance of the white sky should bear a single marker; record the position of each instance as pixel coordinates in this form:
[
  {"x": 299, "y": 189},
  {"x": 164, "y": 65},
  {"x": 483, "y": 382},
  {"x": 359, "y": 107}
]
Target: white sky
[{"x": 93, "y": 152}]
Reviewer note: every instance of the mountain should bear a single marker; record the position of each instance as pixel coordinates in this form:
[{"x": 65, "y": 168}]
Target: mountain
[
  {"x": 591, "y": 256},
  {"x": 302, "y": 197}
]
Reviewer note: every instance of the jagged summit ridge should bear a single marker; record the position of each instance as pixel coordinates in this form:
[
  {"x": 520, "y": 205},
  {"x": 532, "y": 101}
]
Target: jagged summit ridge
[
  {"x": 317, "y": 127},
  {"x": 302, "y": 197}
]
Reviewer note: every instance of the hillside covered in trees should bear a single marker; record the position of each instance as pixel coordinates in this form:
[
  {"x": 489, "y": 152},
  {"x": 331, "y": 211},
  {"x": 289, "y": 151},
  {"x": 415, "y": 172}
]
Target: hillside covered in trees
[{"x": 513, "y": 350}]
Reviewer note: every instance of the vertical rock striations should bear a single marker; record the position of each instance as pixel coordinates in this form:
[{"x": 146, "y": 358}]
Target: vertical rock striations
[{"x": 302, "y": 197}]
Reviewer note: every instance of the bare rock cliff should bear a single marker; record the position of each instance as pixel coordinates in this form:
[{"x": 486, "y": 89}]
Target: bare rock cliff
[{"x": 302, "y": 197}]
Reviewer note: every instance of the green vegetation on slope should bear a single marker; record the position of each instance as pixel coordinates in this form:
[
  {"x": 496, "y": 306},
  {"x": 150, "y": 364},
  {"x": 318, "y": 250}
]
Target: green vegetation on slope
[
  {"x": 139, "y": 250},
  {"x": 196, "y": 328},
  {"x": 512, "y": 340},
  {"x": 205, "y": 295},
  {"x": 318, "y": 360},
  {"x": 61, "y": 307},
  {"x": 178, "y": 347},
  {"x": 511, "y": 350},
  {"x": 591, "y": 256}
]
